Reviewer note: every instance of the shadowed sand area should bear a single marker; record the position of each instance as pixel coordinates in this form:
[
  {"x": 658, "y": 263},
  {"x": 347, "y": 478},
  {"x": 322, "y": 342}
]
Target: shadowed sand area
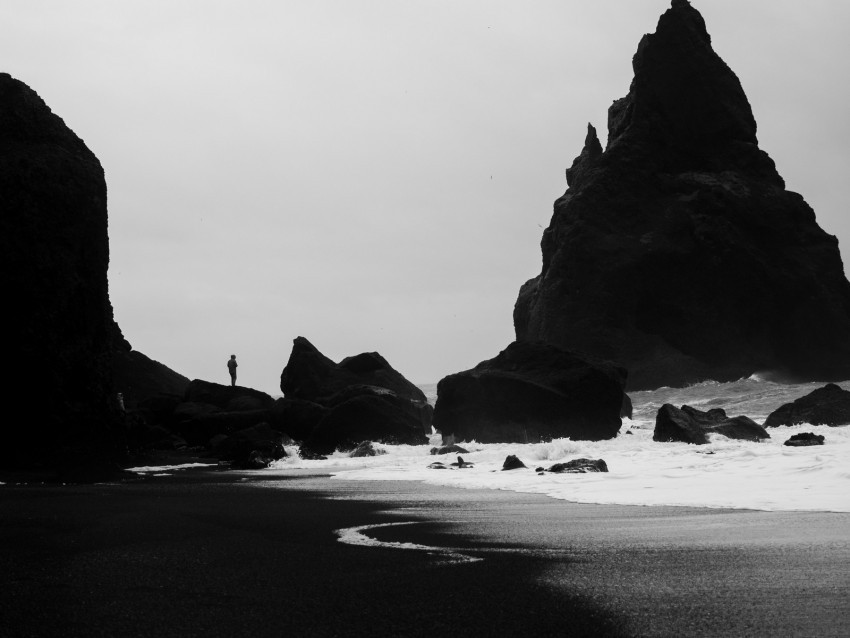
[{"x": 230, "y": 554}]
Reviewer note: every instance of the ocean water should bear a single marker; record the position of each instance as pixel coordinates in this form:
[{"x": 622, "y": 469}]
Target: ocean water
[{"x": 725, "y": 473}]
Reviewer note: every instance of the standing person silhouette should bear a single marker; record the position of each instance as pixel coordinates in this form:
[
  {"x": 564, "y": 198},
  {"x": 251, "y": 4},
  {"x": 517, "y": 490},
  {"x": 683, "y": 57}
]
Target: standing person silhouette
[{"x": 231, "y": 367}]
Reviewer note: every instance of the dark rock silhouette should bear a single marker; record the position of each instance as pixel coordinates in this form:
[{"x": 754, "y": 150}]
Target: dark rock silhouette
[
  {"x": 579, "y": 466},
  {"x": 340, "y": 405},
  {"x": 226, "y": 397},
  {"x": 385, "y": 419},
  {"x": 689, "y": 425},
  {"x": 531, "y": 392},
  {"x": 829, "y": 405},
  {"x": 804, "y": 439},
  {"x": 297, "y": 417},
  {"x": 676, "y": 251},
  {"x": 209, "y": 409},
  {"x": 512, "y": 462},
  {"x": 141, "y": 380},
  {"x": 55, "y": 254},
  {"x": 252, "y": 448},
  {"x": 312, "y": 376}
]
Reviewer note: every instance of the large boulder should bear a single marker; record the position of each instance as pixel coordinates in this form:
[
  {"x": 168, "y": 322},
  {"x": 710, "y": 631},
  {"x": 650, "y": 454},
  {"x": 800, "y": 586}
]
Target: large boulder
[
  {"x": 677, "y": 251},
  {"x": 54, "y": 255},
  {"x": 689, "y": 425},
  {"x": 331, "y": 406},
  {"x": 829, "y": 405},
  {"x": 531, "y": 392}
]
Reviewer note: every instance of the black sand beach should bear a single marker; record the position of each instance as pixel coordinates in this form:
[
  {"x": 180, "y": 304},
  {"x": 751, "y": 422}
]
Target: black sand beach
[{"x": 203, "y": 553}]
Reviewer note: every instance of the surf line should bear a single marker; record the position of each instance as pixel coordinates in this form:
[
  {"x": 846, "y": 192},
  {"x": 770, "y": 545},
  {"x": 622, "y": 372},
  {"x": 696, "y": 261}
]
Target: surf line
[{"x": 357, "y": 536}]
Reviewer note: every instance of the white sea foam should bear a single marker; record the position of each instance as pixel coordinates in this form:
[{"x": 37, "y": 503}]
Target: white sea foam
[
  {"x": 160, "y": 470},
  {"x": 722, "y": 474},
  {"x": 356, "y": 536}
]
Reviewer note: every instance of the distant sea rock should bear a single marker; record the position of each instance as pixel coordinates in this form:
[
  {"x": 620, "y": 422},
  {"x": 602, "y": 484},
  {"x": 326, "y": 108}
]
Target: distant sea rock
[
  {"x": 579, "y": 466},
  {"x": 531, "y": 392},
  {"x": 54, "y": 255},
  {"x": 677, "y": 251},
  {"x": 689, "y": 425},
  {"x": 805, "y": 439},
  {"x": 829, "y": 405},
  {"x": 329, "y": 406}
]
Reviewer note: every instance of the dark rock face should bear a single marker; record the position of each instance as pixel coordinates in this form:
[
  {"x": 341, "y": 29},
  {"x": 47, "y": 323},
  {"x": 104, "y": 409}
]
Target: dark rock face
[
  {"x": 579, "y": 466},
  {"x": 297, "y": 417},
  {"x": 55, "y": 254},
  {"x": 676, "y": 251},
  {"x": 226, "y": 397},
  {"x": 531, "y": 392},
  {"x": 139, "y": 378},
  {"x": 690, "y": 425},
  {"x": 208, "y": 409},
  {"x": 829, "y": 405},
  {"x": 384, "y": 419},
  {"x": 251, "y": 448},
  {"x": 804, "y": 439},
  {"x": 330, "y": 406}
]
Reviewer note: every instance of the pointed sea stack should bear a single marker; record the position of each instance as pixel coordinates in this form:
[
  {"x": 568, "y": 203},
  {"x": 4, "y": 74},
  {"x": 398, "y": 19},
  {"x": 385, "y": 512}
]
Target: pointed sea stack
[
  {"x": 677, "y": 251},
  {"x": 55, "y": 254}
]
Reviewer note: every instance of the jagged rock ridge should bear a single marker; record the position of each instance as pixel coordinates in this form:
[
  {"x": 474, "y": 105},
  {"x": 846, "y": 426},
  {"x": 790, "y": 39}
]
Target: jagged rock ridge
[{"x": 676, "y": 251}]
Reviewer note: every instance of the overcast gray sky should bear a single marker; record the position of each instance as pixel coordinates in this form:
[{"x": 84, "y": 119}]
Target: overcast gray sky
[{"x": 375, "y": 175}]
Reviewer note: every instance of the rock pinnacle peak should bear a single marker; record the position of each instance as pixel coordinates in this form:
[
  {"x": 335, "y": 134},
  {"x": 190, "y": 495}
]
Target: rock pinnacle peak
[{"x": 676, "y": 251}]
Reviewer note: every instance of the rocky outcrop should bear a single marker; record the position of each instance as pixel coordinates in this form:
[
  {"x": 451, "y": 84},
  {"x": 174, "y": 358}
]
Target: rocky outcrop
[
  {"x": 329, "y": 406},
  {"x": 676, "y": 251},
  {"x": 312, "y": 376},
  {"x": 689, "y": 425},
  {"x": 829, "y": 405},
  {"x": 226, "y": 397},
  {"x": 54, "y": 255},
  {"x": 531, "y": 392},
  {"x": 140, "y": 379}
]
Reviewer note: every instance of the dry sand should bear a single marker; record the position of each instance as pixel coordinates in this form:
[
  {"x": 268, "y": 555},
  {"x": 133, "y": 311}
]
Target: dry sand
[{"x": 204, "y": 553}]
